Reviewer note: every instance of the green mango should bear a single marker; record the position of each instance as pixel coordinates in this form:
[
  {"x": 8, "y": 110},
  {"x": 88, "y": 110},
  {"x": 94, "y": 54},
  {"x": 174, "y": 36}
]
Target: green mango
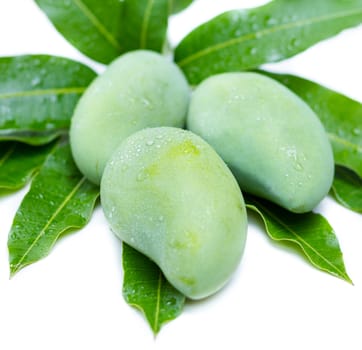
[
  {"x": 272, "y": 141},
  {"x": 169, "y": 195},
  {"x": 139, "y": 89}
]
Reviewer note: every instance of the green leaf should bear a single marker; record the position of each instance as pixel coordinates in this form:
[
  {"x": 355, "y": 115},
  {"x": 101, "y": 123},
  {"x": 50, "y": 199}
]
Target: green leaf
[
  {"x": 59, "y": 199},
  {"x": 145, "y": 24},
  {"x": 92, "y": 26},
  {"x": 347, "y": 188},
  {"x": 245, "y": 39},
  {"x": 145, "y": 288},
  {"x": 340, "y": 115},
  {"x": 18, "y": 163},
  {"x": 38, "y": 95},
  {"x": 179, "y": 5},
  {"x": 309, "y": 232}
]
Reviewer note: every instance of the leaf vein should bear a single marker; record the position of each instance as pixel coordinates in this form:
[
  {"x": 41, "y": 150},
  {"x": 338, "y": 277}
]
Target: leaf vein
[
  {"x": 97, "y": 24},
  {"x": 345, "y": 142},
  {"x": 145, "y": 24}
]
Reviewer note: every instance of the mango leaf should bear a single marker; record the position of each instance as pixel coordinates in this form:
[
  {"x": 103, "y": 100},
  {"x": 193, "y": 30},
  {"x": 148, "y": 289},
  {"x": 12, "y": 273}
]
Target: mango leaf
[
  {"x": 340, "y": 115},
  {"x": 179, "y": 5},
  {"x": 309, "y": 232},
  {"x": 59, "y": 199},
  {"x": 92, "y": 26},
  {"x": 145, "y": 288},
  {"x": 347, "y": 188},
  {"x": 18, "y": 163},
  {"x": 245, "y": 39},
  {"x": 144, "y": 24},
  {"x": 38, "y": 95}
]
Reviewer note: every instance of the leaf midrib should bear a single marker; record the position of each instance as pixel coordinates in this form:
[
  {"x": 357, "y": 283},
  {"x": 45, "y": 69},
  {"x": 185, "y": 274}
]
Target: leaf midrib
[
  {"x": 354, "y": 180},
  {"x": 7, "y": 154},
  {"x": 264, "y": 32},
  {"x": 17, "y": 266},
  {"x": 145, "y": 23},
  {"x": 344, "y": 142},
  {"x": 42, "y": 92},
  {"x": 97, "y": 24},
  {"x": 301, "y": 240},
  {"x": 157, "y": 307}
]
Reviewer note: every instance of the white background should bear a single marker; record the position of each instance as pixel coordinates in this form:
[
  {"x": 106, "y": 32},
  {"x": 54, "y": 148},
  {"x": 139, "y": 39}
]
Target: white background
[{"x": 276, "y": 300}]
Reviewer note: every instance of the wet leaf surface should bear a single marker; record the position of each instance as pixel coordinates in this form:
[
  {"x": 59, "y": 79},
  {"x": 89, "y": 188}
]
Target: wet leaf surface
[
  {"x": 145, "y": 24},
  {"x": 347, "y": 189},
  {"x": 38, "y": 94},
  {"x": 18, "y": 163},
  {"x": 310, "y": 233},
  {"x": 145, "y": 288},
  {"x": 59, "y": 199},
  {"x": 245, "y": 39},
  {"x": 91, "y": 26}
]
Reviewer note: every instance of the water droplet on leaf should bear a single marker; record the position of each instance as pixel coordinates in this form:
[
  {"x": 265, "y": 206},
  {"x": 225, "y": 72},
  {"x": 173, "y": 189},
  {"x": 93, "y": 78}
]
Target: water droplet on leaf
[
  {"x": 35, "y": 81},
  {"x": 356, "y": 131}
]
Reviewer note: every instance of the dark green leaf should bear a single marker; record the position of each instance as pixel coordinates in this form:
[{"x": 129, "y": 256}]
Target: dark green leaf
[
  {"x": 245, "y": 39},
  {"x": 341, "y": 117},
  {"x": 310, "y": 232},
  {"x": 145, "y": 24},
  {"x": 179, "y": 5},
  {"x": 145, "y": 288},
  {"x": 59, "y": 199},
  {"x": 18, "y": 163},
  {"x": 92, "y": 26},
  {"x": 347, "y": 188},
  {"x": 38, "y": 95}
]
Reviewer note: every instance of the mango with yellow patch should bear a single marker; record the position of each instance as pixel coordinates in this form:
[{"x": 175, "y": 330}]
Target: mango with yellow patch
[{"x": 169, "y": 195}]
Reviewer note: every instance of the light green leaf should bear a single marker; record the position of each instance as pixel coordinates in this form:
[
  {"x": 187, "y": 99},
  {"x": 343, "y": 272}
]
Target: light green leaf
[
  {"x": 38, "y": 95},
  {"x": 245, "y": 39},
  {"x": 145, "y": 288},
  {"x": 92, "y": 26},
  {"x": 145, "y": 24},
  {"x": 18, "y": 163},
  {"x": 59, "y": 199},
  {"x": 311, "y": 234},
  {"x": 347, "y": 188}
]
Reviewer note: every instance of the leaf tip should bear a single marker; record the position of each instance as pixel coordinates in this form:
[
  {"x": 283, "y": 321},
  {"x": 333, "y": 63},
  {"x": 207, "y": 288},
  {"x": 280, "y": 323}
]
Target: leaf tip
[
  {"x": 14, "y": 269},
  {"x": 155, "y": 333},
  {"x": 348, "y": 279},
  {"x": 12, "y": 273}
]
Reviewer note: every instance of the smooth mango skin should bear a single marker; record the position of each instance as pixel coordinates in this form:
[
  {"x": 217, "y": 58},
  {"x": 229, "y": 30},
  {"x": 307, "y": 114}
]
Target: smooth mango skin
[
  {"x": 169, "y": 195},
  {"x": 272, "y": 141},
  {"x": 139, "y": 89}
]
